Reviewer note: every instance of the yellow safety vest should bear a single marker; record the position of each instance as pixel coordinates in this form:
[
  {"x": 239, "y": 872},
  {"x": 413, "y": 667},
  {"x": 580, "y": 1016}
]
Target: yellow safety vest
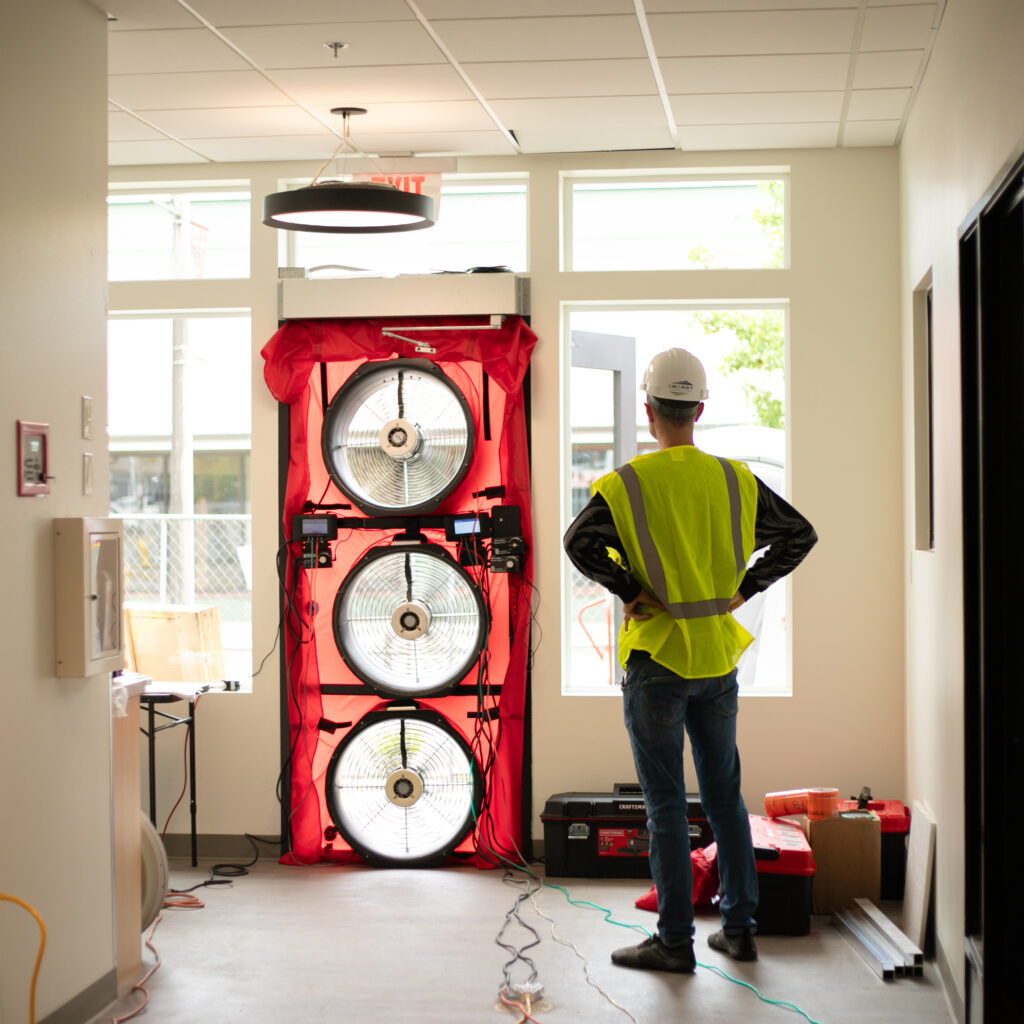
[{"x": 686, "y": 523}]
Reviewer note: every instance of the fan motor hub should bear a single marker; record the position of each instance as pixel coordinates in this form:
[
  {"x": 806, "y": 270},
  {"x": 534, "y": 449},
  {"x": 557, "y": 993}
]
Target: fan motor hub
[
  {"x": 403, "y": 787},
  {"x": 399, "y": 439},
  {"x": 410, "y": 620}
]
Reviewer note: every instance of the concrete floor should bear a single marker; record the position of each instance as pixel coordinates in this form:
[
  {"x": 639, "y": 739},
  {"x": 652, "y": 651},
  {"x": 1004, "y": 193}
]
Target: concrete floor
[{"x": 284, "y": 945}]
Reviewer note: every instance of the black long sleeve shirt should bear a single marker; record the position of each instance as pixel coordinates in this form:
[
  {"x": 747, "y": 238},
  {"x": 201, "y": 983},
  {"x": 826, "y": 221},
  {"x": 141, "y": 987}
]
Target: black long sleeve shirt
[{"x": 778, "y": 527}]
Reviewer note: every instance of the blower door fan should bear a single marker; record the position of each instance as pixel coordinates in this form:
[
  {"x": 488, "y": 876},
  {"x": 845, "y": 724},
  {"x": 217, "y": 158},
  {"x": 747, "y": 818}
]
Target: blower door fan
[
  {"x": 397, "y": 436},
  {"x": 409, "y": 621},
  {"x": 403, "y": 788}
]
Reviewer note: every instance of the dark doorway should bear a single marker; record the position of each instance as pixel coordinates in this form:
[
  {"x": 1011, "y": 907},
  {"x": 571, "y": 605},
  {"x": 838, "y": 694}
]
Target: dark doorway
[{"x": 992, "y": 368}]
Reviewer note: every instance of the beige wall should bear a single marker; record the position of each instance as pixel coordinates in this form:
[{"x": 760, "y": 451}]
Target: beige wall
[
  {"x": 966, "y": 123},
  {"x": 844, "y": 724},
  {"x": 55, "y": 840}
]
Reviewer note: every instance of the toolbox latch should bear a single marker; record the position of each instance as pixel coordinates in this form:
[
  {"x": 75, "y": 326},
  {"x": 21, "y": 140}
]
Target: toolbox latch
[{"x": 579, "y": 830}]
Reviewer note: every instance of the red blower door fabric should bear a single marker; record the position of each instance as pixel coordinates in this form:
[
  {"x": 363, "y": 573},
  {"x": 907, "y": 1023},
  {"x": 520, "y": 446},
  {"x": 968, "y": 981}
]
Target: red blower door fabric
[{"x": 488, "y": 366}]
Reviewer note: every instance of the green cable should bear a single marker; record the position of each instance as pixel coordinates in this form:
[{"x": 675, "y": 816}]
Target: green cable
[{"x": 708, "y": 967}]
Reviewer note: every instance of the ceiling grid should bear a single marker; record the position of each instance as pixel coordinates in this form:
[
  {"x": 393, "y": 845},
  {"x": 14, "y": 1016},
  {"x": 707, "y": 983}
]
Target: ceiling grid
[{"x": 244, "y": 80}]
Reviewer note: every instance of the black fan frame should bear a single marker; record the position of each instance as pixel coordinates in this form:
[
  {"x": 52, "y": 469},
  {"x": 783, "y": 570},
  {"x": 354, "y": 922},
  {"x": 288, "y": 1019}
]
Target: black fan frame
[
  {"x": 337, "y": 403},
  {"x": 407, "y": 709},
  {"x": 434, "y": 551}
]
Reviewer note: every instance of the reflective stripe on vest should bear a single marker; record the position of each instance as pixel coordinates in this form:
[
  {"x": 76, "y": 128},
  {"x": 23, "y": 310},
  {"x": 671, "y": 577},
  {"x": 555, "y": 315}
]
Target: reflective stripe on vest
[{"x": 652, "y": 560}]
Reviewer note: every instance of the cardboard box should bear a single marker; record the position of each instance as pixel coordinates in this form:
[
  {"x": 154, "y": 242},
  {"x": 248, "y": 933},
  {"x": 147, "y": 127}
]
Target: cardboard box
[
  {"x": 847, "y": 851},
  {"x": 175, "y": 643}
]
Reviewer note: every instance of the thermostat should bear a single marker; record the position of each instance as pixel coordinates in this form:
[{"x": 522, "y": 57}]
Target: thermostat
[{"x": 33, "y": 458}]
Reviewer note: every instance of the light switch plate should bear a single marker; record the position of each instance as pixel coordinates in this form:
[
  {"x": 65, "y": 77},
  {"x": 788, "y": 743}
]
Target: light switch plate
[
  {"x": 87, "y": 472},
  {"x": 86, "y": 418}
]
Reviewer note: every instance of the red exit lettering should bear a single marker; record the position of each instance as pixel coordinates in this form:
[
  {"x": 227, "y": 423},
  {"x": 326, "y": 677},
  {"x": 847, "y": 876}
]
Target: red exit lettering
[{"x": 403, "y": 182}]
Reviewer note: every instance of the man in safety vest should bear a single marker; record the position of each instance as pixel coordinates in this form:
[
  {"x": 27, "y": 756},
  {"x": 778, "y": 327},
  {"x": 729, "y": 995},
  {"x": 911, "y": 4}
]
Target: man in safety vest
[{"x": 670, "y": 533}]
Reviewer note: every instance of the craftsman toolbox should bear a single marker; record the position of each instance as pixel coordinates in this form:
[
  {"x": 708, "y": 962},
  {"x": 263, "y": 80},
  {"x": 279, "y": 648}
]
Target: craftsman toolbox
[
  {"x": 785, "y": 876},
  {"x": 895, "y": 823},
  {"x": 604, "y": 835}
]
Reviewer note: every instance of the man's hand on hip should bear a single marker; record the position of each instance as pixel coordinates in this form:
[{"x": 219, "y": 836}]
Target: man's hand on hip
[{"x": 642, "y": 607}]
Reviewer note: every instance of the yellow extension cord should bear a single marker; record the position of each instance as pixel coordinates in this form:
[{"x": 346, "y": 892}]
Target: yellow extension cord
[{"x": 39, "y": 955}]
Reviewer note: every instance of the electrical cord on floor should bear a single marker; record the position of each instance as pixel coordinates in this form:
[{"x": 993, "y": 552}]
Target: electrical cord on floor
[
  {"x": 782, "y": 1004},
  {"x": 591, "y": 980},
  {"x": 525, "y": 867},
  {"x": 224, "y": 874},
  {"x": 530, "y": 987},
  {"x": 140, "y": 985},
  {"x": 39, "y": 955}
]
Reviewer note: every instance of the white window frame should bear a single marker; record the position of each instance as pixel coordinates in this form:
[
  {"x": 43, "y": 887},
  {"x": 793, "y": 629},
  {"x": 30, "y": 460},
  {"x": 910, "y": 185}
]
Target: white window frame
[
  {"x": 567, "y": 309},
  {"x": 286, "y": 241},
  {"x": 691, "y": 175}
]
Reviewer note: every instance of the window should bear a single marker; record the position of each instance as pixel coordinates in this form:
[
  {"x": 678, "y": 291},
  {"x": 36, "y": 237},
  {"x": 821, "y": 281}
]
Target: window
[
  {"x": 176, "y": 234},
  {"x": 180, "y": 424},
  {"x": 616, "y": 223},
  {"x": 480, "y": 224},
  {"x": 742, "y": 348}
]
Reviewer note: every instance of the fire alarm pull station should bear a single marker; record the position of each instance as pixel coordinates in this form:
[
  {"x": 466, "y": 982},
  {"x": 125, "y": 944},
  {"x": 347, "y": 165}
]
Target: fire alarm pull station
[{"x": 33, "y": 458}]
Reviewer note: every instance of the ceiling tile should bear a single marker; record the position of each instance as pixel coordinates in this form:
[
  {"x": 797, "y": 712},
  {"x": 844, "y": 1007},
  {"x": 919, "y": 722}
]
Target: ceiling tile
[
  {"x": 799, "y": 72},
  {"x": 324, "y": 88},
  {"x": 313, "y": 148},
  {"x": 302, "y": 46},
  {"x": 752, "y": 32},
  {"x": 877, "y": 104},
  {"x": 235, "y": 122},
  {"x": 758, "y": 108},
  {"x": 195, "y": 89},
  {"x": 135, "y": 53},
  {"x": 686, "y": 6},
  {"x": 889, "y": 70},
  {"x": 592, "y": 38},
  {"x": 446, "y": 9},
  {"x": 226, "y": 13},
  {"x": 592, "y": 137},
  {"x": 512, "y": 80},
  {"x": 454, "y": 116},
  {"x": 146, "y": 14},
  {"x": 482, "y": 143},
  {"x": 121, "y": 154},
  {"x": 398, "y": 144},
  {"x": 122, "y": 127},
  {"x": 870, "y": 133},
  {"x": 747, "y": 136},
  {"x": 601, "y": 112},
  {"x": 907, "y": 27}
]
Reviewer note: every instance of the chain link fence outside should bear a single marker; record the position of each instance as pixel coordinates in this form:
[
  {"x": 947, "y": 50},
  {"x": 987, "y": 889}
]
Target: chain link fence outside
[
  {"x": 593, "y": 633},
  {"x": 195, "y": 560}
]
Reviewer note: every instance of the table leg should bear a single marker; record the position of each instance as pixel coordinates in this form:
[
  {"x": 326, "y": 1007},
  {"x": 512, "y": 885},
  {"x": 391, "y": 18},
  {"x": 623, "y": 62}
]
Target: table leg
[{"x": 192, "y": 774}]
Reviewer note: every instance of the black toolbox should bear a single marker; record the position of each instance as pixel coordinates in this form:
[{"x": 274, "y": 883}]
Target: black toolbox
[{"x": 604, "y": 835}]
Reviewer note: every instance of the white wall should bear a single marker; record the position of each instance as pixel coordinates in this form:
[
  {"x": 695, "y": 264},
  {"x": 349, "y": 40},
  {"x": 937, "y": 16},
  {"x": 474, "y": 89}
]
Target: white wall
[
  {"x": 55, "y": 841},
  {"x": 844, "y": 724},
  {"x": 966, "y": 123}
]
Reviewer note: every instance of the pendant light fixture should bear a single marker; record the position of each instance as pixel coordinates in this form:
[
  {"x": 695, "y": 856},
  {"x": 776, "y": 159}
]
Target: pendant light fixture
[{"x": 347, "y": 207}]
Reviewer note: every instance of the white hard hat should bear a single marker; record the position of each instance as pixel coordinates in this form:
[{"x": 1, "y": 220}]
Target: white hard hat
[{"x": 677, "y": 375}]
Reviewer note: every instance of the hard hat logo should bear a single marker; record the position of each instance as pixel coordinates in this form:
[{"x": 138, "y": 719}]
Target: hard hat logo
[{"x": 676, "y": 374}]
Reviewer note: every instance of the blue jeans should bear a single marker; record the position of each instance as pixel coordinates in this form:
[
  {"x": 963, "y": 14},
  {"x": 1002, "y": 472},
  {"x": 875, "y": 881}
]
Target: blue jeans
[{"x": 659, "y": 706}]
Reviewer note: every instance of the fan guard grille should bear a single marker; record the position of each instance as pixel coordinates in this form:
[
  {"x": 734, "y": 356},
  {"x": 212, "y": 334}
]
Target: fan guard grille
[
  {"x": 402, "y": 789},
  {"x": 409, "y": 622},
  {"x": 398, "y": 436}
]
